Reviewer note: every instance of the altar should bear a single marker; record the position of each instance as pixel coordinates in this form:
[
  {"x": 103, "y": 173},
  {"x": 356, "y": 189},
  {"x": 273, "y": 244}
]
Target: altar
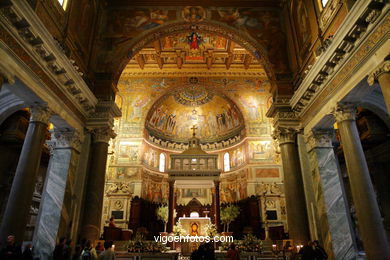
[
  {"x": 194, "y": 226},
  {"x": 191, "y": 169}
]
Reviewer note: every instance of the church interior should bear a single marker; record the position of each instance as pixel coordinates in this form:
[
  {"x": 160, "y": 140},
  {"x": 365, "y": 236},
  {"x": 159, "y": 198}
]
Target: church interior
[{"x": 264, "y": 120}]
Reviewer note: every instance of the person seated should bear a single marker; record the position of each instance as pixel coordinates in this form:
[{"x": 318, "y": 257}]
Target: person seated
[
  {"x": 112, "y": 222},
  {"x": 108, "y": 253}
]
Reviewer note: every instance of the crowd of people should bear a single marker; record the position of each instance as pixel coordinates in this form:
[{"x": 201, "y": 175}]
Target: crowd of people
[
  {"x": 311, "y": 251},
  {"x": 63, "y": 251}
]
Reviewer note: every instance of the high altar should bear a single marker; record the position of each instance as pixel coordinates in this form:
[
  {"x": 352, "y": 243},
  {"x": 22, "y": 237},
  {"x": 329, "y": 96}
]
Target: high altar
[{"x": 194, "y": 168}]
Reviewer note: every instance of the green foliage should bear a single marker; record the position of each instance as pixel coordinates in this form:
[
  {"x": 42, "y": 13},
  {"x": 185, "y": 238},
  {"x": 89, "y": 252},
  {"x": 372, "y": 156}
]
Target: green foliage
[
  {"x": 162, "y": 213},
  {"x": 178, "y": 230},
  {"x": 211, "y": 230},
  {"x": 141, "y": 245},
  {"x": 250, "y": 243},
  {"x": 228, "y": 214}
]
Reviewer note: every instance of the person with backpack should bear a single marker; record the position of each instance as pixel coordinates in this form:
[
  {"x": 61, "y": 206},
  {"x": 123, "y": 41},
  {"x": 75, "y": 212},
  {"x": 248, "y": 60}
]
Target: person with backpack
[{"x": 89, "y": 252}]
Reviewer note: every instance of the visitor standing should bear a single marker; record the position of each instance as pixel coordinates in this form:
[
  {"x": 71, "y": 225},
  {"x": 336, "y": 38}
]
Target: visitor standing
[
  {"x": 10, "y": 251},
  {"x": 59, "y": 249},
  {"x": 307, "y": 252},
  {"x": 108, "y": 253},
  {"x": 233, "y": 253},
  {"x": 89, "y": 252},
  {"x": 319, "y": 251}
]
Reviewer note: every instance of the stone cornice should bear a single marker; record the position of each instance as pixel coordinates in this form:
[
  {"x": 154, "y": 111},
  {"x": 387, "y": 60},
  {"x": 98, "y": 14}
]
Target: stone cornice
[
  {"x": 358, "y": 23},
  {"x": 384, "y": 67},
  {"x": 23, "y": 24}
]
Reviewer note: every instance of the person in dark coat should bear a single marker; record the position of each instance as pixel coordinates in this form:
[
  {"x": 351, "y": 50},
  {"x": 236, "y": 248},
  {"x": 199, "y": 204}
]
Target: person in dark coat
[
  {"x": 58, "y": 252},
  {"x": 27, "y": 253},
  {"x": 233, "y": 253},
  {"x": 11, "y": 251},
  {"x": 319, "y": 251},
  {"x": 307, "y": 252}
]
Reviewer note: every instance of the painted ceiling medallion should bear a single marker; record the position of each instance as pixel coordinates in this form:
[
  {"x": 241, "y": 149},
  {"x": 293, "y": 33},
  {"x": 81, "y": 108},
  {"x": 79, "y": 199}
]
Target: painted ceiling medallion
[
  {"x": 193, "y": 95},
  {"x": 193, "y": 14}
]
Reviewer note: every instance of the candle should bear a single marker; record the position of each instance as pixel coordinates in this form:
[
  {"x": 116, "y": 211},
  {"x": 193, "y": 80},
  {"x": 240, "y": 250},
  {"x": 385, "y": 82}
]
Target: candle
[{"x": 113, "y": 247}]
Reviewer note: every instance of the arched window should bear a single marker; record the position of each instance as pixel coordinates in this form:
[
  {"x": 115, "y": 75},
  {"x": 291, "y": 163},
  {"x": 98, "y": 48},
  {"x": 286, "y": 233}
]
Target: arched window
[
  {"x": 161, "y": 167},
  {"x": 226, "y": 162}
]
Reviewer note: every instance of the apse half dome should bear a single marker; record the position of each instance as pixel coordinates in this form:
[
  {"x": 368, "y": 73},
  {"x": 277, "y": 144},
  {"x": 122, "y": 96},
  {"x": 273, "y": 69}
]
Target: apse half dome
[{"x": 212, "y": 115}]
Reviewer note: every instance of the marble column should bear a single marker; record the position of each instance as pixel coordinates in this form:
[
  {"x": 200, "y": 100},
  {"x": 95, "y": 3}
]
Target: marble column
[
  {"x": 332, "y": 208},
  {"x": 293, "y": 186},
  {"x": 171, "y": 206},
  {"x": 80, "y": 184},
  {"x": 217, "y": 206},
  {"x": 19, "y": 201},
  {"x": 382, "y": 75},
  {"x": 369, "y": 219},
  {"x": 2, "y": 80},
  {"x": 65, "y": 146},
  {"x": 95, "y": 184}
]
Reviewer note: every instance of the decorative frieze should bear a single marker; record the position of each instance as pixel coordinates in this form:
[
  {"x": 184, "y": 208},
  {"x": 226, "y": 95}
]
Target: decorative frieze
[
  {"x": 345, "y": 111},
  {"x": 356, "y": 25},
  {"x": 381, "y": 69},
  {"x": 27, "y": 28},
  {"x": 40, "y": 113}
]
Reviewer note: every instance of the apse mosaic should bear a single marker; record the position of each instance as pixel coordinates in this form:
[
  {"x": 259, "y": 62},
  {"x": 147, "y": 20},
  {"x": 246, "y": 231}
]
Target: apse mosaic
[
  {"x": 187, "y": 105},
  {"x": 214, "y": 119}
]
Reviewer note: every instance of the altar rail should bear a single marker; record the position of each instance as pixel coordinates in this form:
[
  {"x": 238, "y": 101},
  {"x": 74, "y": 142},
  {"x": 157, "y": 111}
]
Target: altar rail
[{"x": 177, "y": 256}]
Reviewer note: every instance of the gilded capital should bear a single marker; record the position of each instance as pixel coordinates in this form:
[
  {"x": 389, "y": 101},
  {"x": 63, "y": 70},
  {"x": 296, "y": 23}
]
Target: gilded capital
[
  {"x": 344, "y": 111},
  {"x": 67, "y": 138},
  {"x": 319, "y": 138},
  {"x": 103, "y": 134},
  {"x": 384, "y": 67},
  {"x": 40, "y": 113},
  {"x": 285, "y": 134}
]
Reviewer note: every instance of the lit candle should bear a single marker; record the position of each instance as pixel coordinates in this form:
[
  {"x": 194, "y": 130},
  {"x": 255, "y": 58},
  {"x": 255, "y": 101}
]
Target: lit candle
[{"x": 113, "y": 247}]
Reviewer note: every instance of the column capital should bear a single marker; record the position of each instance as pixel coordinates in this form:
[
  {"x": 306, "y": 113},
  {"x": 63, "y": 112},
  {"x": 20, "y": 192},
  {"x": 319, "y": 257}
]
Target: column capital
[
  {"x": 384, "y": 67},
  {"x": 319, "y": 138},
  {"x": 67, "y": 138},
  {"x": 285, "y": 134},
  {"x": 40, "y": 113},
  {"x": 344, "y": 111},
  {"x": 103, "y": 134}
]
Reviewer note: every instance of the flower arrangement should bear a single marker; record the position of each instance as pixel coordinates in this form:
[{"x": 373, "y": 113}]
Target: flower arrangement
[
  {"x": 250, "y": 243},
  {"x": 178, "y": 230},
  {"x": 211, "y": 230},
  {"x": 141, "y": 245}
]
